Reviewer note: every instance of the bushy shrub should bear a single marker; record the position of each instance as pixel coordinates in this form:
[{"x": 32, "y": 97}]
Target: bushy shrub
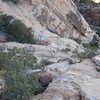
[
  {"x": 13, "y": 63},
  {"x": 14, "y": 1},
  {"x": 4, "y": 20},
  {"x": 92, "y": 45},
  {"x": 15, "y": 30}
]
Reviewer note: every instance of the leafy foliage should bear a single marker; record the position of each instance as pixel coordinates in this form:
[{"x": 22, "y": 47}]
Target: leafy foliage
[
  {"x": 13, "y": 63},
  {"x": 16, "y": 30}
]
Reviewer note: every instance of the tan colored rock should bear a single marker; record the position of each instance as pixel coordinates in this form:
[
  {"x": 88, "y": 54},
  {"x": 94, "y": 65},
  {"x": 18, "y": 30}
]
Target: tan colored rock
[
  {"x": 52, "y": 16},
  {"x": 77, "y": 82}
]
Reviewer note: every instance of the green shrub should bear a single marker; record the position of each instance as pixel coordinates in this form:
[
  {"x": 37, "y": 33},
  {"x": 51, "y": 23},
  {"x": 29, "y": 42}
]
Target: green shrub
[
  {"x": 22, "y": 56},
  {"x": 93, "y": 45},
  {"x": 16, "y": 30},
  {"x": 13, "y": 63}
]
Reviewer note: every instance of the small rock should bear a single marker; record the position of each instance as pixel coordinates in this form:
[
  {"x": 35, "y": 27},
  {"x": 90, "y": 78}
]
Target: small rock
[
  {"x": 96, "y": 60},
  {"x": 45, "y": 79}
]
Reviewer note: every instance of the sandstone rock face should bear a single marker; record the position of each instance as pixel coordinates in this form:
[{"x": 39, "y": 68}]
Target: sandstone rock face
[
  {"x": 54, "y": 21},
  {"x": 59, "y": 17},
  {"x": 77, "y": 82}
]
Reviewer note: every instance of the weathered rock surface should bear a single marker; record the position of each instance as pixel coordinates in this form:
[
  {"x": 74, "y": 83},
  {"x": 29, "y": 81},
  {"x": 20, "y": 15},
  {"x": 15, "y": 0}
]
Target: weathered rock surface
[
  {"x": 59, "y": 17},
  {"x": 96, "y": 60},
  {"x": 54, "y": 21},
  {"x": 77, "y": 82},
  {"x": 58, "y": 51}
]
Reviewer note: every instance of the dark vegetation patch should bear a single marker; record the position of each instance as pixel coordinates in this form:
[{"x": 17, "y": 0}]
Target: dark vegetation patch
[
  {"x": 15, "y": 30},
  {"x": 19, "y": 87}
]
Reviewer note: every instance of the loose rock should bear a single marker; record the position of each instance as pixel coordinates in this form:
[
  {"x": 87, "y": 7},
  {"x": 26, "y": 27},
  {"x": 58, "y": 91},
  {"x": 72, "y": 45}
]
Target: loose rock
[
  {"x": 45, "y": 79},
  {"x": 96, "y": 60}
]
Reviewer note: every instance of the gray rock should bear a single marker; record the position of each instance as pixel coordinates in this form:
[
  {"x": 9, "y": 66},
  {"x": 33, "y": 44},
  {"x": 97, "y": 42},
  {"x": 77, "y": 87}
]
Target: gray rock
[
  {"x": 96, "y": 60},
  {"x": 45, "y": 79},
  {"x": 53, "y": 21},
  {"x": 80, "y": 80}
]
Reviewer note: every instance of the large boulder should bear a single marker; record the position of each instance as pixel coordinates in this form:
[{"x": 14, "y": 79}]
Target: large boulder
[
  {"x": 59, "y": 17},
  {"x": 59, "y": 51},
  {"x": 78, "y": 82},
  {"x": 96, "y": 60}
]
